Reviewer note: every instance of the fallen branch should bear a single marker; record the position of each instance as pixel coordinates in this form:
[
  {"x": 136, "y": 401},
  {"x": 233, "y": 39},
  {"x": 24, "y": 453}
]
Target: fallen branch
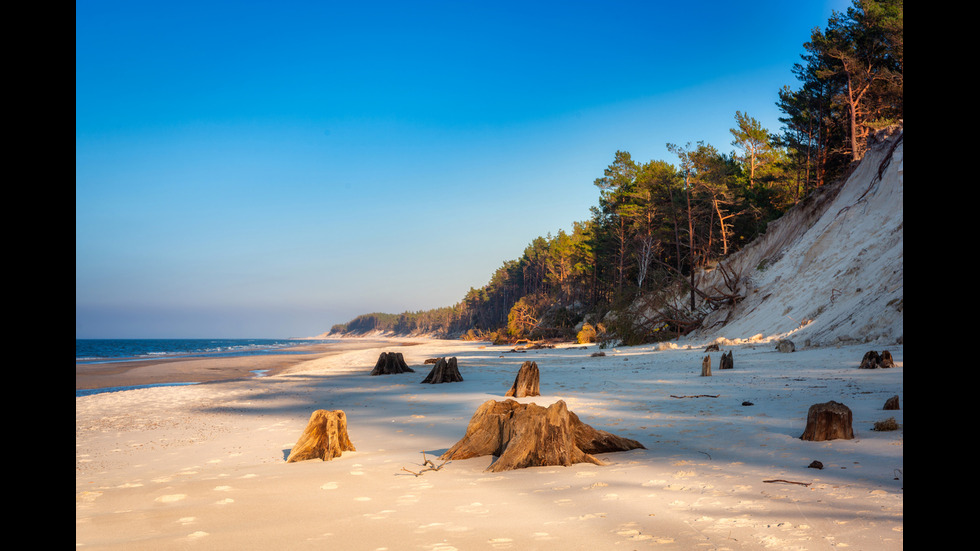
[
  {"x": 697, "y": 396},
  {"x": 789, "y": 482},
  {"x": 428, "y": 464}
]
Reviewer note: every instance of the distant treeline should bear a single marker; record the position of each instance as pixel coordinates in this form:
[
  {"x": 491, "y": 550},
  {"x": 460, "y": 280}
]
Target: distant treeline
[{"x": 657, "y": 221}]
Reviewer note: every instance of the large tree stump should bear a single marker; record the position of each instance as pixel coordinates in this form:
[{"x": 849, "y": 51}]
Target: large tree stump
[
  {"x": 390, "y": 363},
  {"x": 527, "y": 382},
  {"x": 324, "y": 438},
  {"x": 444, "y": 372},
  {"x": 528, "y": 435},
  {"x": 828, "y": 421},
  {"x": 726, "y": 361}
]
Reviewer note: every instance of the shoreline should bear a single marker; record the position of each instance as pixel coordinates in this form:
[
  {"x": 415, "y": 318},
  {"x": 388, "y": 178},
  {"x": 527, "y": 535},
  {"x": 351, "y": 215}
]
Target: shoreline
[{"x": 200, "y": 370}]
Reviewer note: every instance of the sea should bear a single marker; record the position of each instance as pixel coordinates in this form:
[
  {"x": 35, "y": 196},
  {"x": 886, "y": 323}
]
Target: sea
[{"x": 101, "y": 351}]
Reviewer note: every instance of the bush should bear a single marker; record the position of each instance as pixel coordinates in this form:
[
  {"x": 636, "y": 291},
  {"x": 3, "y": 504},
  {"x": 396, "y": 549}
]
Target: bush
[{"x": 586, "y": 335}]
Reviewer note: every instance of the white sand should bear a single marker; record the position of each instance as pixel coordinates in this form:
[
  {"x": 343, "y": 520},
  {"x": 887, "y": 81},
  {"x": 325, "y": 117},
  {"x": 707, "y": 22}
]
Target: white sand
[{"x": 204, "y": 466}]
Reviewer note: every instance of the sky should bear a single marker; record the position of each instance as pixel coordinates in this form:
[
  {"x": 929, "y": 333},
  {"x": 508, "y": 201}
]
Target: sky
[{"x": 256, "y": 169}]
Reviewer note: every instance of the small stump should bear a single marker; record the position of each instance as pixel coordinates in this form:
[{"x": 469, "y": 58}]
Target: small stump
[
  {"x": 444, "y": 372},
  {"x": 527, "y": 382},
  {"x": 324, "y": 438},
  {"x": 390, "y": 363},
  {"x": 785, "y": 345},
  {"x": 528, "y": 435},
  {"x": 874, "y": 360},
  {"x": 706, "y": 366},
  {"x": 891, "y": 403},
  {"x": 828, "y": 421},
  {"x": 726, "y": 361}
]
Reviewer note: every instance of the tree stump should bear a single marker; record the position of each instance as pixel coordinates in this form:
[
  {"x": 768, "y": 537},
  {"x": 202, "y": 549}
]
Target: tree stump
[
  {"x": 444, "y": 372},
  {"x": 828, "y": 421},
  {"x": 891, "y": 403},
  {"x": 706, "y": 366},
  {"x": 324, "y": 438},
  {"x": 527, "y": 382},
  {"x": 886, "y": 359},
  {"x": 528, "y": 435},
  {"x": 785, "y": 345},
  {"x": 726, "y": 361},
  {"x": 390, "y": 363},
  {"x": 871, "y": 360}
]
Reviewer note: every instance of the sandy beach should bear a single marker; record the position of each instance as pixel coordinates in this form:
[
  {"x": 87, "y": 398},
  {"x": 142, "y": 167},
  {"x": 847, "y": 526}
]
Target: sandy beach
[{"x": 203, "y": 466}]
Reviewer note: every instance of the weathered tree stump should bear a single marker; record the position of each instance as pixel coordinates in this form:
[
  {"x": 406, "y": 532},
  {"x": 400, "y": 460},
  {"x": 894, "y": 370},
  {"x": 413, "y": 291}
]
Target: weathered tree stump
[
  {"x": 726, "y": 361},
  {"x": 391, "y": 363},
  {"x": 871, "y": 360},
  {"x": 528, "y": 435},
  {"x": 886, "y": 359},
  {"x": 828, "y": 421},
  {"x": 444, "y": 372},
  {"x": 325, "y": 437},
  {"x": 527, "y": 382},
  {"x": 706, "y": 366},
  {"x": 713, "y": 347},
  {"x": 785, "y": 345},
  {"x": 891, "y": 403}
]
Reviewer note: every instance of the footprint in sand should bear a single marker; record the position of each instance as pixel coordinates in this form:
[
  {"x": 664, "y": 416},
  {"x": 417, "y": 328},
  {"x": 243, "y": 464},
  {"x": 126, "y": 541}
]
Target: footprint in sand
[
  {"x": 329, "y": 486},
  {"x": 187, "y": 520},
  {"x": 171, "y": 498},
  {"x": 196, "y": 535}
]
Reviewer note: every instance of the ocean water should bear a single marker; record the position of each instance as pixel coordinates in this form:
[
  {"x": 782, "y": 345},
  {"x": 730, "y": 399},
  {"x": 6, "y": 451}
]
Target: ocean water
[
  {"x": 100, "y": 351},
  {"x": 95, "y": 351}
]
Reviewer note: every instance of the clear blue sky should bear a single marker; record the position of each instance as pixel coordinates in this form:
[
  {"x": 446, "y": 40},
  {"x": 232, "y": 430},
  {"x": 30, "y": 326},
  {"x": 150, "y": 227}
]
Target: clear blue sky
[{"x": 269, "y": 169}]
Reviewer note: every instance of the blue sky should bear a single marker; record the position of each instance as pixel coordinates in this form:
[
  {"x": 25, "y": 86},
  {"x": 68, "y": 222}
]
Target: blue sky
[{"x": 269, "y": 169}]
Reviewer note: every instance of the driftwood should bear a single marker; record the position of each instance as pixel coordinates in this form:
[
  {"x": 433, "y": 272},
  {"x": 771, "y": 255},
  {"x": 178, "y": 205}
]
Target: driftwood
[
  {"x": 828, "y": 421},
  {"x": 528, "y": 435},
  {"x": 390, "y": 363},
  {"x": 787, "y": 482},
  {"x": 444, "y": 372},
  {"x": 527, "y": 382},
  {"x": 726, "y": 361},
  {"x": 325, "y": 437},
  {"x": 427, "y": 465}
]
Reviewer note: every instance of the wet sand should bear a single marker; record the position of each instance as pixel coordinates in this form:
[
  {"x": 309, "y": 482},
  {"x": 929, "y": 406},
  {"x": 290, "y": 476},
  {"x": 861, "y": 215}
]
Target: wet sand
[{"x": 206, "y": 370}]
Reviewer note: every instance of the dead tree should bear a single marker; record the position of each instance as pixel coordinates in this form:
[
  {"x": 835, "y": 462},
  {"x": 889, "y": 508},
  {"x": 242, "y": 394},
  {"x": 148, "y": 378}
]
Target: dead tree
[
  {"x": 527, "y": 382},
  {"x": 444, "y": 372},
  {"x": 390, "y": 363},
  {"x": 325, "y": 437},
  {"x": 726, "y": 361},
  {"x": 828, "y": 421},
  {"x": 528, "y": 435}
]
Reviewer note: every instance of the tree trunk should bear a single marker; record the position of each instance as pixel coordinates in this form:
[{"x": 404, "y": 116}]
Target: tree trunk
[
  {"x": 828, "y": 421},
  {"x": 324, "y": 438},
  {"x": 726, "y": 361},
  {"x": 528, "y": 435},
  {"x": 444, "y": 372},
  {"x": 390, "y": 363},
  {"x": 527, "y": 382}
]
